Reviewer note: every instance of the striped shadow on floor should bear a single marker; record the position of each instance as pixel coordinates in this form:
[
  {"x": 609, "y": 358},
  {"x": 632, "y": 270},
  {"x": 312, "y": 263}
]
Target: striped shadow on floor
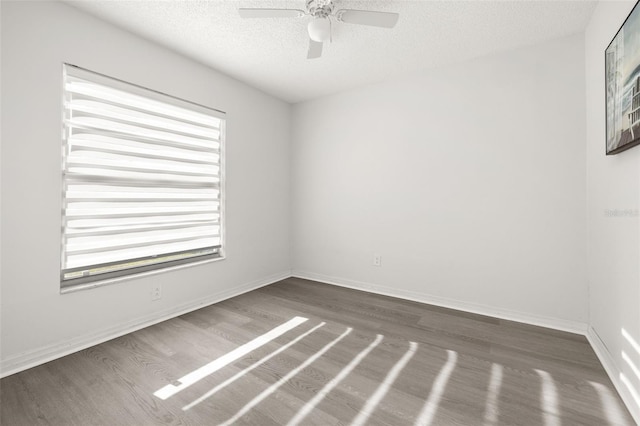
[{"x": 300, "y": 353}]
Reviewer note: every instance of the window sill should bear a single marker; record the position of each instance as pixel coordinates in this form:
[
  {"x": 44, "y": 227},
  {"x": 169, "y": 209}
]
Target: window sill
[{"x": 109, "y": 281}]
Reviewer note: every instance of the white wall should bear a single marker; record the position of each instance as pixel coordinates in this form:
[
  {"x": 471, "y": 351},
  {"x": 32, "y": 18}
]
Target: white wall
[
  {"x": 613, "y": 183},
  {"x": 468, "y": 180},
  {"x": 37, "y": 321}
]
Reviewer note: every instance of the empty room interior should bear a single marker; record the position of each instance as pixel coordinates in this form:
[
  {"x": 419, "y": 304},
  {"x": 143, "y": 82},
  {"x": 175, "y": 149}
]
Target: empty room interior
[{"x": 315, "y": 212}]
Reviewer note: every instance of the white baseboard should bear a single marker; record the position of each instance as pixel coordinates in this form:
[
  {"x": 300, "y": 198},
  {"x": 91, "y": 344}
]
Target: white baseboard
[
  {"x": 554, "y": 323},
  {"x": 22, "y": 361},
  {"x": 607, "y": 361}
]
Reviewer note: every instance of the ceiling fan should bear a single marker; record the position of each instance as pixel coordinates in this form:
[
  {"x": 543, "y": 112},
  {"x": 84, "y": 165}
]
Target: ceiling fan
[{"x": 323, "y": 14}]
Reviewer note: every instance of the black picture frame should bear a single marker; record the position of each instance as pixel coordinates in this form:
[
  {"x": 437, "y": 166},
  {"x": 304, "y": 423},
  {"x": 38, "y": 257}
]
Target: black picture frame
[{"x": 622, "y": 86}]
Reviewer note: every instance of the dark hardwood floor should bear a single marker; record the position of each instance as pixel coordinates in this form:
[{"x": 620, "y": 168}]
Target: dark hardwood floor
[{"x": 358, "y": 358}]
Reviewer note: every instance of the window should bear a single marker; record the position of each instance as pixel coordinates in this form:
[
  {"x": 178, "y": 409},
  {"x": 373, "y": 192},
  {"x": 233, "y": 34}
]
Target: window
[{"x": 142, "y": 179}]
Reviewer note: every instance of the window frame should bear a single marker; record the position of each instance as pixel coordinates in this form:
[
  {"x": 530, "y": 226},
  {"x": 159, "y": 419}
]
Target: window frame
[{"x": 209, "y": 254}]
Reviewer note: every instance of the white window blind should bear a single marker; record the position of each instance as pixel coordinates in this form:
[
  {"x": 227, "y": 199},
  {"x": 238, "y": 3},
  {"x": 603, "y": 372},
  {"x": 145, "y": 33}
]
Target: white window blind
[{"x": 142, "y": 179}]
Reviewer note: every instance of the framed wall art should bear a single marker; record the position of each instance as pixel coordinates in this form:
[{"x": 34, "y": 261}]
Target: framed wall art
[{"x": 622, "y": 80}]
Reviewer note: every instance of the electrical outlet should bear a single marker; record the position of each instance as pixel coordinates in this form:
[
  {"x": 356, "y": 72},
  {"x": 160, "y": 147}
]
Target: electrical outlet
[
  {"x": 156, "y": 292},
  {"x": 377, "y": 259}
]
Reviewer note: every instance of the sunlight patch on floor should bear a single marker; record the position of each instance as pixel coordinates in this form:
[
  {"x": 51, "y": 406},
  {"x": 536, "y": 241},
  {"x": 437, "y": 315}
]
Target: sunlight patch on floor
[
  {"x": 492, "y": 411},
  {"x": 251, "y": 367},
  {"x": 271, "y": 389},
  {"x": 382, "y": 390},
  {"x": 309, "y": 406},
  {"x": 204, "y": 371},
  {"x": 610, "y": 405},
  {"x": 549, "y": 399},
  {"x": 430, "y": 407}
]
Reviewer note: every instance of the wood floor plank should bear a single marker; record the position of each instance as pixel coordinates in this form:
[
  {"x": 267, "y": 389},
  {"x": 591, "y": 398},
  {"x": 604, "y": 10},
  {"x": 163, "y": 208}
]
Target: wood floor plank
[{"x": 464, "y": 368}]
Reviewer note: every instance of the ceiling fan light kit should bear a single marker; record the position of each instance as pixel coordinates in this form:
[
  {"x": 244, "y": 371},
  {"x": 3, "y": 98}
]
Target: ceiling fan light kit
[
  {"x": 322, "y": 12},
  {"x": 320, "y": 30}
]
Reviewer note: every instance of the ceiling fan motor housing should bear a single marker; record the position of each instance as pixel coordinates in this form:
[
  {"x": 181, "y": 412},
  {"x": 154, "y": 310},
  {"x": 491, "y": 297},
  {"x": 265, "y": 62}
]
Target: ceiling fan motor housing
[{"x": 320, "y": 8}]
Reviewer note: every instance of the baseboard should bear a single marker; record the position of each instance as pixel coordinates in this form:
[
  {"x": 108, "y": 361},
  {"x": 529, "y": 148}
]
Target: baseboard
[
  {"x": 607, "y": 361},
  {"x": 32, "y": 358},
  {"x": 541, "y": 321}
]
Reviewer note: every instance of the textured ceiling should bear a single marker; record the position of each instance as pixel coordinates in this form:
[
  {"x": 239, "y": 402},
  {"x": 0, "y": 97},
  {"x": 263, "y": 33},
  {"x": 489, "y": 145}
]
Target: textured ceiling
[{"x": 270, "y": 54}]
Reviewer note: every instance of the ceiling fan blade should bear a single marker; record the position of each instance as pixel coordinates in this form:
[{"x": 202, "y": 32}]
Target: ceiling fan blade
[
  {"x": 315, "y": 49},
  {"x": 368, "y": 17},
  {"x": 270, "y": 13}
]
